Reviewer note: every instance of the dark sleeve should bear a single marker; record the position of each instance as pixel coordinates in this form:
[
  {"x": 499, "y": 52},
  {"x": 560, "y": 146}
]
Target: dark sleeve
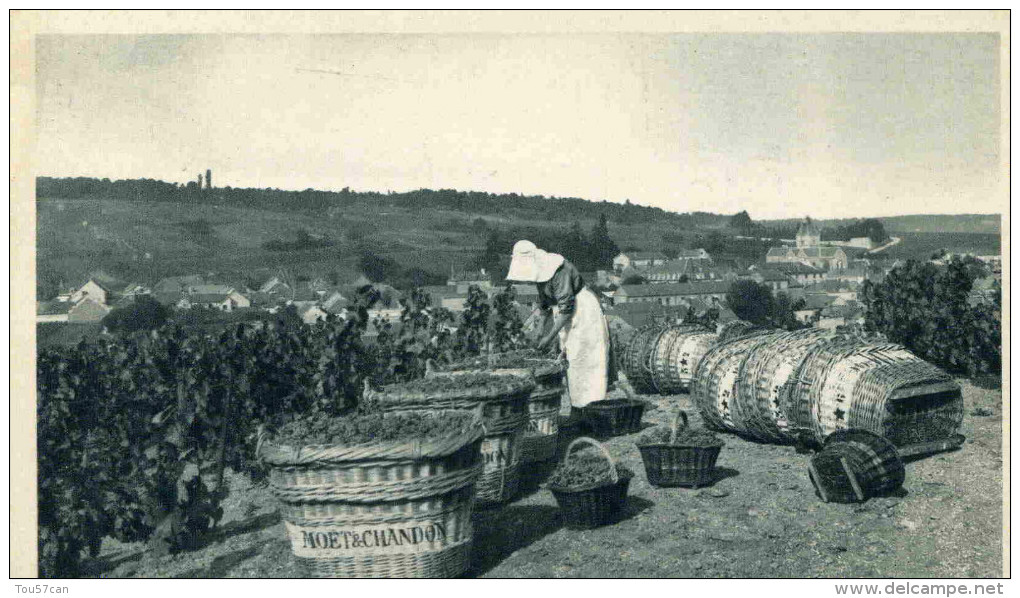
[{"x": 562, "y": 289}]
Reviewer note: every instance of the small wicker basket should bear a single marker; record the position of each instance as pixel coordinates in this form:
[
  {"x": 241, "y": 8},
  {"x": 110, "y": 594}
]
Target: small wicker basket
[
  {"x": 671, "y": 464},
  {"x": 613, "y": 417},
  {"x": 855, "y": 465},
  {"x": 382, "y": 511},
  {"x": 592, "y": 506}
]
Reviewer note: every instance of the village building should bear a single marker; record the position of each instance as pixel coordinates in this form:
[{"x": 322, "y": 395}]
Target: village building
[
  {"x": 310, "y": 314},
  {"x": 797, "y": 272},
  {"x": 466, "y": 279},
  {"x": 775, "y": 281},
  {"x": 448, "y": 296},
  {"x": 88, "y": 310},
  {"x": 92, "y": 289},
  {"x": 176, "y": 284},
  {"x": 673, "y": 293},
  {"x": 809, "y": 250},
  {"x": 686, "y": 271},
  {"x": 228, "y": 301},
  {"x": 638, "y": 259}
]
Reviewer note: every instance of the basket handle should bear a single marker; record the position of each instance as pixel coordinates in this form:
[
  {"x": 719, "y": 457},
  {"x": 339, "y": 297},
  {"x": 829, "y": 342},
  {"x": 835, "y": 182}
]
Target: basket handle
[
  {"x": 676, "y": 428},
  {"x": 605, "y": 452}
]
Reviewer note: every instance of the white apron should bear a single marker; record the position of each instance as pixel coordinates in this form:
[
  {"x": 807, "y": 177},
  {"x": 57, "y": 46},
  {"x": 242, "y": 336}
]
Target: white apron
[{"x": 585, "y": 339}]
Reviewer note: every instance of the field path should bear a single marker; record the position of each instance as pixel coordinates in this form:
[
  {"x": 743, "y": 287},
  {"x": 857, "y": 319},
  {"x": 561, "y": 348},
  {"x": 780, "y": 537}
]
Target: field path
[{"x": 892, "y": 241}]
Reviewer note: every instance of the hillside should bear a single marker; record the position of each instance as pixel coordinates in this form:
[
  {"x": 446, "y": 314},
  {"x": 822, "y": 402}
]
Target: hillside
[{"x": 145, "y": 230}]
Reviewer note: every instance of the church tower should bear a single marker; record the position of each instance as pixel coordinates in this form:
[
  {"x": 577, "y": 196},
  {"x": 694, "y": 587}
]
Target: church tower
[{"x": 808, "y": 235}]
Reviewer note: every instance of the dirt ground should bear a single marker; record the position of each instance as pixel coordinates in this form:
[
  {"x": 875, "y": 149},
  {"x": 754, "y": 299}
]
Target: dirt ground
[{"x": 760, "y": 519}]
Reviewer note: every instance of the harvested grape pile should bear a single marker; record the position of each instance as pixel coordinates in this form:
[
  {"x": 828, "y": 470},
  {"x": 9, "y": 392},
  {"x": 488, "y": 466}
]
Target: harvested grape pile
[
  {"x": 486, "y": 382},
  {"x": 371, "y": 428},
  {"x": 584, "y": 470},
  {"x": 689, "y": 437}
]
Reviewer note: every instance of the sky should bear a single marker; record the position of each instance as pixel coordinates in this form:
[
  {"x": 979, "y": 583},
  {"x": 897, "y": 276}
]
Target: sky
[{"x": 781, "y": 125}]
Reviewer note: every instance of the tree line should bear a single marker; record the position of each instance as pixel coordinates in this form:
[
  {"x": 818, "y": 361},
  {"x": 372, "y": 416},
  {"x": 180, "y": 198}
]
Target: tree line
[{"x": 535, "y": 206}]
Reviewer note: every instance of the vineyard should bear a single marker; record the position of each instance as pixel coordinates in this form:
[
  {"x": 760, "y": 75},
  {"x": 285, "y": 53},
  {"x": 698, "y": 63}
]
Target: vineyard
[{"x": 135, "y": 433}]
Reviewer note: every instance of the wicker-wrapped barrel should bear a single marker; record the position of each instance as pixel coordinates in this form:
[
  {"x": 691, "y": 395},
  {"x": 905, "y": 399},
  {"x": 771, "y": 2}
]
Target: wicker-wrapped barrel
[
  {"x": 855, "y": 465},
  {"x": 716, "y": 380},
  {"x": 664, "y": 377},
  {"x": 635, "y": 360},
  {"x": 542, "y": 431},
  {"x": 881, "y": 388},
  {"x": 383, "y": 510},
  {"x": 683, "y": 358},
  {"x": 504, "y": 406},
  {"x": 735, "y": 329},
  {"x": 765, "y": 387}
]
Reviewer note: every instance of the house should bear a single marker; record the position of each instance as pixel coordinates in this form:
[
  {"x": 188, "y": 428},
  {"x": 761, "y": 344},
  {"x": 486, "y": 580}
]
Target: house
[
  {"x": 798, "y": 272},
  {"x": 447, "y": 296},
  {"x": 525, "y": 294},
  {"x": 176, "y": 284},
  {"x": 813, "y": 306},
  {"x": 468, "y": 278},
  {"x": 776, "y": 281},
  {"x": 209, "y": 289},
  {"x": 276, "y": 286},
  {"x": 335, "y": 303},
  {"x": 310, "y": 314},
  {"x": 87, "y": 310},
  {"x": 52, "y": 311},
  {"x": 855, "y": 274},
  {"x": 222, "y": 301},
  {"x": 684, "y": 270},
  {"x": 693, "y": 254},
  {"x": 91, "y": 290},
  {"x": 673, "y": 293},
  {"x": 638, "y": 259}
]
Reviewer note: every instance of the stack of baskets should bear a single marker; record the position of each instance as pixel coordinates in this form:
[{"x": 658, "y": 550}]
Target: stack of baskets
[
  {"x": 542, "y": 431},
  {"x": 503, "y": 401},
  {"x": 661, "y": 359},
  {"x": 777, "y": 386},
  {"x": 396, "y": 509}
]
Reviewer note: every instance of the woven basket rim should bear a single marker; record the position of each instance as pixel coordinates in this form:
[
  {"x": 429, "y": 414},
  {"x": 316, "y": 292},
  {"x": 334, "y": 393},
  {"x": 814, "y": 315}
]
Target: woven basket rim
[
  {"x": 543, "y": 366},
  {"x": 615, "y": 404},
  {"x": 520, "y": 382},
  {"x": 719, "y": 443},
  {"x": 308, "y": 454},
  {"x": 625, "y": 476}
]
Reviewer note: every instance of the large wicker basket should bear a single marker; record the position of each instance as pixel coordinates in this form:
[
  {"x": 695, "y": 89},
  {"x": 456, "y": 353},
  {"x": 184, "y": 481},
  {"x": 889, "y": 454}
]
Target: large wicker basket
[
  {"x": 640, "y": 347},
  {"x": 664, "y": 377},
  {"x": 882, "y": 388},
  {"x": 716, "y": 381},
  {"x": 670, "y": 464},
  {"x": 766, "y": 381},
  {"x": 383, "y": 510},
  {"x": 592, "y": 506},
  {"x": 504, "y": 408},
  {"x": 855, "y": 465},
  {"x": 684, "y": 356},
  {"x": 542, "y": 431}
]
